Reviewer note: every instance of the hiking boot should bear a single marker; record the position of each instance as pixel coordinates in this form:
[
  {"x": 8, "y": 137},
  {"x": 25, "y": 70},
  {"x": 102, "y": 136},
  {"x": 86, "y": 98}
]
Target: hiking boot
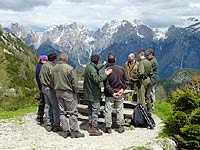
[
  {"x": 120, "y": 129},
  {"x": 94, "y": 131},
  {"x": 64, "y": 134},
  {"x": 90, "y": 128},
  {"x": 76, "y": 134},
  {"x": 48, "y": 128},
  {"x": 57, "y": 129},
  {"x": 109, "y": 130},
  {"x": 39, "y": 121}
]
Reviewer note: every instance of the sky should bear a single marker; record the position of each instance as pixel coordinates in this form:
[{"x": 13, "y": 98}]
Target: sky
[{"x": 93, "y": 14}]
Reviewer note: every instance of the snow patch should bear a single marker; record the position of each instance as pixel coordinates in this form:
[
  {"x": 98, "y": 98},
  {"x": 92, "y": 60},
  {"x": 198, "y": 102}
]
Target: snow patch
[
  {"x": 138, "y": 34},
  {"x": 112, "y": 27},
  {"x": 6, "y": 51},
  {"x": 90, "y": 39},
  {"x": 136, "y": 23},
  {"x": 57, "y": 40},
  {"x": 79, "y": 62},
  {"x": 38, "y": 42},
  {"x": 51, "y": 28},
  {"x": 188, "y": 22},
  {"x": 159, "y": 34}
]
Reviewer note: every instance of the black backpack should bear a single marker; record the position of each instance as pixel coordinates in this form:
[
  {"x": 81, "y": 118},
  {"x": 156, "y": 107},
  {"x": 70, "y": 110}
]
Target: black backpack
[{"x": 142, "y": 118}]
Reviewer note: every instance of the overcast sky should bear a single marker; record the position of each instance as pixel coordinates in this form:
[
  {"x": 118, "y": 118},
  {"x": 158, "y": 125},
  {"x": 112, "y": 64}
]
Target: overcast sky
[{"x": 95, "y": 13}]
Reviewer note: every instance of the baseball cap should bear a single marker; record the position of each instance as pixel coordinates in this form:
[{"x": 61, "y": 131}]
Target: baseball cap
[{"x": 43, "y": 57}]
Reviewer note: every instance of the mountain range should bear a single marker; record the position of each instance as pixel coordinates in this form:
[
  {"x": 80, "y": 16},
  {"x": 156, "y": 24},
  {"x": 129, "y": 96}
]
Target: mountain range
[{"x": 175, "y": 49}]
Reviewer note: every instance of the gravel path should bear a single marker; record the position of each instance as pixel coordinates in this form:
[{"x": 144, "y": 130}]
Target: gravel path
[{"x": 27, "y": 135}]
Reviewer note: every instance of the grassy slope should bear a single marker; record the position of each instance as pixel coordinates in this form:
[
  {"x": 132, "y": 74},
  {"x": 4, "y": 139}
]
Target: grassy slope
[
  {"x": 17, "y": 73},
  {"x": 163, "y": 109},
  {"x": 16, "y": 113}
]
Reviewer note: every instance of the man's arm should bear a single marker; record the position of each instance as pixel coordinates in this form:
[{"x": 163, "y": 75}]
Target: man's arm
[
  {"x": 108, "y": 87},
  {"x": 37, "y": 75},
  {"x": 97, "y": 78},
  {"x": 74, "y": 80},
  {"x": 141, "y": 70}
]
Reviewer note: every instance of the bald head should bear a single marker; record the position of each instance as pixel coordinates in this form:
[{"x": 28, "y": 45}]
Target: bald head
[
  {"x": 64, "y": 57},
  {"x": 131, "y": 57}
]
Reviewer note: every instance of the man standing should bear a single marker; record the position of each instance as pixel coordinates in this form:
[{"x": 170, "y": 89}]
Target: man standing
[
  {"x": 114, "y": 87},
  {"x": 144, "y": 75},
  {"x": 65, "y": 83},
  {"x": 154, "y": 64},
  {"x": 131, "y": 69},
  {"x": 40, "y": 113},
  {"x": 51, "y": 103},
  {"x": 92, "y": 93}
]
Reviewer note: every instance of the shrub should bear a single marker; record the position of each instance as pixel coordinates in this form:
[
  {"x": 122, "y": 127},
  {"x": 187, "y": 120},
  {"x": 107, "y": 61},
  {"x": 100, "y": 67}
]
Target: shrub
[{"x": 184, "y": 123}]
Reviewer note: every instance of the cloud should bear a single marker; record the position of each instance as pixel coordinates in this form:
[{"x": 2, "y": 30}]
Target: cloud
[
  {"x": 95, "y": 13},
  {"x": 22, "y": 5}
]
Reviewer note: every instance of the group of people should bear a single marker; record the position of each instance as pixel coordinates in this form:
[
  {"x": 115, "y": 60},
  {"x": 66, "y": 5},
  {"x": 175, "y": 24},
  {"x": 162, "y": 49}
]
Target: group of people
[
  {"x": 58, "y": 84},
  {"x": 143, "y": 76}
]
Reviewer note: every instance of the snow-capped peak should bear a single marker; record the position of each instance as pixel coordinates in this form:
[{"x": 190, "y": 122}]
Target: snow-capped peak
[
  {"x": 189, "y": 22},
  {"x": 136, "y": 23},
  {"x": 51, "y": 28},
  {"x": 159, "y": 34},
  {"x": 14, "y": 22},
  {"x": 113, "y": 26}
]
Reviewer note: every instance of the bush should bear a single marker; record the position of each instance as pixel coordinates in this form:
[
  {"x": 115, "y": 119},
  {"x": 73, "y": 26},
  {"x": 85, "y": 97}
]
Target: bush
[{"x": 184, "y": 123}]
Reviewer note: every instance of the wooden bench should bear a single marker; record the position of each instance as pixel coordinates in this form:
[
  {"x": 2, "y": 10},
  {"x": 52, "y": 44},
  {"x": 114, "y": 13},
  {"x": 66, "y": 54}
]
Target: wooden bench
[{"x": 82, "y": 104}]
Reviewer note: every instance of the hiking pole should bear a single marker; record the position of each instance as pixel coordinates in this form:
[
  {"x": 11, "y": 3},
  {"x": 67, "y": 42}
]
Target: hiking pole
[{"x": 145, "y": 115}]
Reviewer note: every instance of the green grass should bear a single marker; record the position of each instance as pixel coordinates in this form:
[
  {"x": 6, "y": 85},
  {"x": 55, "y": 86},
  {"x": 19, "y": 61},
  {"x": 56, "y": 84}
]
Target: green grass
[
  {"x": 163, "y": 109},
  {"x": 17, "y": 113},
  {"x": 138, "y": 148}
]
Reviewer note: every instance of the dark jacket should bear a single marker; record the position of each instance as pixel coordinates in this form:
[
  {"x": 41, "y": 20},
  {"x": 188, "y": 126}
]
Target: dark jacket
[
  {"x": 116, "y": 81},
  {"x": 91, "y": 85},
  {"x": 37, "y": 75}
]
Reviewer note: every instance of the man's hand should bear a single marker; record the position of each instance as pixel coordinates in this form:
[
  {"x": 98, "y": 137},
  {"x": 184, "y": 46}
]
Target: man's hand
[
  {"x": 108, "y": 71},
  {"x": 120, "y": 92},
  {"x": 115, "y": 95}
]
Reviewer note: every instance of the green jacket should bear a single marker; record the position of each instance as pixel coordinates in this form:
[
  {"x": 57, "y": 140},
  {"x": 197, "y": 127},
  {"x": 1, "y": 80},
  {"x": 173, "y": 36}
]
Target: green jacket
[
  {"x": 91, "y": 85},
  {"x": 45, "y": 73},
  {"x": 64, "y": 77},
  {"x": 132, "y": 73},
  {"x": 154, "y": 65},
  {"x": 145, "y": 69}
]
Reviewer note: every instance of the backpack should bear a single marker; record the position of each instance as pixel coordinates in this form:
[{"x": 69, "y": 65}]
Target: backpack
[{"x": 142, "y": 118}]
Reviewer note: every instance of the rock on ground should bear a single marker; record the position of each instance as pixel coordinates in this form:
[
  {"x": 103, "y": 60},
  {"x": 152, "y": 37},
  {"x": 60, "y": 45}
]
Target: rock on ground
[{"x": 26, "y": 134}]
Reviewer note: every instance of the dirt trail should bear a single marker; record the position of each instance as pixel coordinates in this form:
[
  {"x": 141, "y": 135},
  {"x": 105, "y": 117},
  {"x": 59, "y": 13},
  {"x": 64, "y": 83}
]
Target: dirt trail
[{"x": 30, "y": 136}]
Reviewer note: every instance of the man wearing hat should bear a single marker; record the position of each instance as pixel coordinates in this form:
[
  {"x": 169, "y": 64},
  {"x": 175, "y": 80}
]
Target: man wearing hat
[{"x": 42, "y": 60}]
